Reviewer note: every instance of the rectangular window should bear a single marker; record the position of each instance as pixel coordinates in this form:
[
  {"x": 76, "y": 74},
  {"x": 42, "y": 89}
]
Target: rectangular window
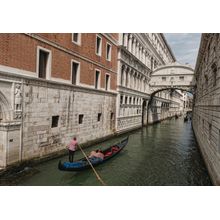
[
  {"x": 97, "y": 78},
  {"x": 181, "y": 78},
  {"x": 43, "y": 63},
  {"x": 121, "y": 99},
  {"x": 98, "y": 45},
  {"x": 55, "y": 120},
  {"x": 112, "y": 116},
  {"x": 108, "y": 52},
  {"x": 163, "y": 78},
  {"x": 107, "y": 82},
  {"x": 99, "y": 116},
  {"x": 126, "y": 100},
  {"x": 76, "y": 38},
  {"x": 81, "y": 119},
  {"x": 75, "y": 72},
  {"x": 210, "y": 132}
]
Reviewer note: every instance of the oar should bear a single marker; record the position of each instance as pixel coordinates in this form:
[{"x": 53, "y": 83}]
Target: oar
[{"x": 97, "y": 175}]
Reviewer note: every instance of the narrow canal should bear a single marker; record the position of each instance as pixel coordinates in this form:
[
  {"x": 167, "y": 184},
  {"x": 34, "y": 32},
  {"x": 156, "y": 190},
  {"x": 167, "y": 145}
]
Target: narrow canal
[{"x": 162, "y": 154}]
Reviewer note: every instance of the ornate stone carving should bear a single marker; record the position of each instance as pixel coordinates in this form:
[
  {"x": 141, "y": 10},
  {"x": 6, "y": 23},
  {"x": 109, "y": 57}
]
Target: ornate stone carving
[{"x": 18, "y": 97}]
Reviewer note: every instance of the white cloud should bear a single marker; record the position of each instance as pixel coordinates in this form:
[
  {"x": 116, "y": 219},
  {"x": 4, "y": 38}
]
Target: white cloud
[{"x": 184, "y": 46}]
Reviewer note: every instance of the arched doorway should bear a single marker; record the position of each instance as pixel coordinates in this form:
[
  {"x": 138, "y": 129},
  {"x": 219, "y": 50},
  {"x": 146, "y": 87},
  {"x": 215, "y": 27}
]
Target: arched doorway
[
  {"x": 10, "y": 134},
  {"x": 144, "y": 113}
]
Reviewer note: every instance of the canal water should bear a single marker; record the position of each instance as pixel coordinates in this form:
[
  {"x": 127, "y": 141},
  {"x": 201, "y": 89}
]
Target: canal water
[{"x": 161, "y": 154}]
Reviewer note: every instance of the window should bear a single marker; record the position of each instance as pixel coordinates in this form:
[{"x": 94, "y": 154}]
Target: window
[
  {"x": 210, "y": 132},
  {"x": 108, "y": 52},
  {"x": 121, "y": 99},
  {"x": 76, "y": 38},
  {"x": 107, "y": 82},
  {"x": 75, "y": 72},
  {"x": 55, "y": 120},
  {"x": 126, "y": 100},
  {"x": 164, "y": 78},
  {"x": 98, "y": 45},
  {"x": 43, "y": 64},
  {"x": 112, "y": 116},
  {"x": 99, "y": 116},
  {"x": 97, "y": 78},
  {"x": 81, "y": 119},
  {"x": 181, "y": 78}
]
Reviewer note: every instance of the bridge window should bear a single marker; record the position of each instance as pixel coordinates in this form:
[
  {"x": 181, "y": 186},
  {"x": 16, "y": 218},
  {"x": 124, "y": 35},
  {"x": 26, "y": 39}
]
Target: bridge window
[
  {"x": 164, "y": 78},
  {"x": 181, "y": 78}
]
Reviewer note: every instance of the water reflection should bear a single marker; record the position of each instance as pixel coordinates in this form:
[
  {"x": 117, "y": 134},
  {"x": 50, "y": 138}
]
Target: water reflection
[{"x": 162, "y": 154}]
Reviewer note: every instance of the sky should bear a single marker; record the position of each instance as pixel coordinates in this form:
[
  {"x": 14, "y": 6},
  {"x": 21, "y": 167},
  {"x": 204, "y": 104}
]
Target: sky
[{"x": 184, "y": 46}]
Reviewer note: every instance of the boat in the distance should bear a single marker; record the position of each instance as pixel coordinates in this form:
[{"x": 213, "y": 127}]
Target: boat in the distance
[{"x": 83, "y": 164}]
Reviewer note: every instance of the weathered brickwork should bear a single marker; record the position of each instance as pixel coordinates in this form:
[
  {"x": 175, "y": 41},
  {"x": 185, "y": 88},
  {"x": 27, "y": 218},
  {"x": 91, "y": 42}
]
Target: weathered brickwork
[{"x": 206, "y": 111}]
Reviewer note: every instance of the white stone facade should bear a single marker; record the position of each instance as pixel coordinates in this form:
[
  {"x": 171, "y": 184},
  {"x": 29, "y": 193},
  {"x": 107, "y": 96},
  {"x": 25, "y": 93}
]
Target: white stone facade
[
  {"x": 27, "y": 129},
  {"x": 206, "y": 109},
  {"x": 139, "y": 55}
]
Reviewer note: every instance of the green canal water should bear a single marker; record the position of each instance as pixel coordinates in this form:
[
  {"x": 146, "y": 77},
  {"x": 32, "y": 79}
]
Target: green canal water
[{"x": 162, "y": 154}]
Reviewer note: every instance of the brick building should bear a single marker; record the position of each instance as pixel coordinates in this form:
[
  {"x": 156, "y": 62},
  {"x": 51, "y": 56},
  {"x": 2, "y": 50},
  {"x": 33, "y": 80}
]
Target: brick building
[{"x": 54, "y": 86}]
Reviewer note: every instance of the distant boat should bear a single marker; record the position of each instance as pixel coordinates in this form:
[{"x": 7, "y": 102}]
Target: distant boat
[
  {"x": 186, "y": 119},
  {"x": 83, "y": 164},
  {"x": 176, "y": 116}
]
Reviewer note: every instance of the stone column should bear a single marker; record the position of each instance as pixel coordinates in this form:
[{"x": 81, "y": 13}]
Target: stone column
[
  {"x": 126, "y": 40},
  {"x": 144, "y": 58},
  {"x": 134, "y": 46},
  {"x": 122, "y": 75},
  {"x": 140, "y": 53},
  {"x": 137, "y": 49},
  {"x": 129, "y": 79}
]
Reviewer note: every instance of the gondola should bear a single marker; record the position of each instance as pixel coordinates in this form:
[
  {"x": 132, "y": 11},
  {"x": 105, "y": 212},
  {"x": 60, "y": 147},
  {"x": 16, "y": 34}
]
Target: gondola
[{"x": 83, "y": 164}]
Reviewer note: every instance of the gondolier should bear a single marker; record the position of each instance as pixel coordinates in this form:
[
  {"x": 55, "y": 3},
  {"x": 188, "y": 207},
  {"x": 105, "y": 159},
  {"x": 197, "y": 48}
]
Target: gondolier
[{"x": 72, "y": 146}]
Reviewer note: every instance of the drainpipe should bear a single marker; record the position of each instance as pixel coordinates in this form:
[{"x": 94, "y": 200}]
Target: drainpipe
[{"x": 22, "y": 121}]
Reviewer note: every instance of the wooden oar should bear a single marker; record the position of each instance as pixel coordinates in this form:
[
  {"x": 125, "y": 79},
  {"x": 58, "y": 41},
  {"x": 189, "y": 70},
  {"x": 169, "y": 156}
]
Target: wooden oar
[{"x": 97, "y": 175}]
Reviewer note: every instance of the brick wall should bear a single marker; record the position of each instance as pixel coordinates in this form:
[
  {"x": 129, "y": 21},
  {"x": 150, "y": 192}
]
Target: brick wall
[{"x": 20, "y": 51}]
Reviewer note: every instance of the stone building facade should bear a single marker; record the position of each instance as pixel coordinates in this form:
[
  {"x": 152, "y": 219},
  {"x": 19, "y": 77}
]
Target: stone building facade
[
  {"x": 139, "y": 54},
  {"x": 54, "y": 87},
  {"x": 206, "y": 106}
]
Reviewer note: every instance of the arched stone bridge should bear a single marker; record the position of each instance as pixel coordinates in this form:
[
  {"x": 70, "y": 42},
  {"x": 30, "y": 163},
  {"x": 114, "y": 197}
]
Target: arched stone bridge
[{"x": 170, "y": 77}]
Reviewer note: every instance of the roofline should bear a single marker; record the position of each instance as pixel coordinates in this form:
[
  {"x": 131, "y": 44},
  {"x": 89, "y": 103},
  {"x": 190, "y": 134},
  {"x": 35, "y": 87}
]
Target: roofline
[
  {"x": 173, "y": 66},
  {"x": 168, "y": 46}
]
